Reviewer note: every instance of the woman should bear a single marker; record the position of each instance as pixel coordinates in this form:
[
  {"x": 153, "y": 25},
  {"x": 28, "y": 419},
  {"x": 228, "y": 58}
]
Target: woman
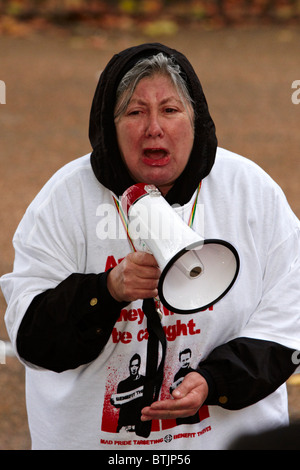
[{"x": 79, "y": 294}]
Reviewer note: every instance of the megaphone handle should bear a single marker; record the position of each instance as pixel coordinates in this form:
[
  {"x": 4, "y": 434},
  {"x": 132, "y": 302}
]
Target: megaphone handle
[{"x": 154, "y": 374}]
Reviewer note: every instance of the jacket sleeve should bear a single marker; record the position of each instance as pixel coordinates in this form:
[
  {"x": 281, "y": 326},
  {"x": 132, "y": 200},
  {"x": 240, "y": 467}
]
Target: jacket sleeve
[
  {"x": 69, "y": 325},
  {"x": 59, "y": 312},
  {"x": 245, "y": 370}
]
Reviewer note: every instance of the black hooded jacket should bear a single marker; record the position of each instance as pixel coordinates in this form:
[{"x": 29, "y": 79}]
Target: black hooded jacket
[
  {"x": 61, "y": 330},
  {"x": 106, "y": 160}
]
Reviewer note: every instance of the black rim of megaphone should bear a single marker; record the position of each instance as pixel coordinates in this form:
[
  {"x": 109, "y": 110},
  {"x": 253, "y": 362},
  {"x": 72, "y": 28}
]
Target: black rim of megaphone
[{"x": 181, "y": 253}]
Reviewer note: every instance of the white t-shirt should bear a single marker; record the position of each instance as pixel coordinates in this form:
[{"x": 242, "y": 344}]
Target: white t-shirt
[{"x": 73, "y": 226}]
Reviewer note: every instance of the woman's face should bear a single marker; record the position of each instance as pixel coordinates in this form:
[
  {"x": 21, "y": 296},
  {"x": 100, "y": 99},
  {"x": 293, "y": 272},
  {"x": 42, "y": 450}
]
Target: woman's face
[{"x": 155, "y": 134}]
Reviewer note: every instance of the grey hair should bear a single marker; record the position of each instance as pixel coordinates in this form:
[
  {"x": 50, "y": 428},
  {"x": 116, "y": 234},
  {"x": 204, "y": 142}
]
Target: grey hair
[{"x": 157, "y": 64}]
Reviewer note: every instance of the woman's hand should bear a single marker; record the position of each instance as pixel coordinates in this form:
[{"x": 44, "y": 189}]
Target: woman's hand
[
  {"x": 136, "y": 277},
  {"x": 188, "y": 397}
]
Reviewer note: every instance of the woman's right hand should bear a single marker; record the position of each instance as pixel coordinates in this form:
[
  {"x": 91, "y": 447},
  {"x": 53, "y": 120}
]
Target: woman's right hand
[{"x": 136, "y": 277}]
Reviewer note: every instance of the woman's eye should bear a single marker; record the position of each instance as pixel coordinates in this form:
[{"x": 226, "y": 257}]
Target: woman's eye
[
  {"x": 170, "y": 110},
  {"x": 133, "y": 113}
]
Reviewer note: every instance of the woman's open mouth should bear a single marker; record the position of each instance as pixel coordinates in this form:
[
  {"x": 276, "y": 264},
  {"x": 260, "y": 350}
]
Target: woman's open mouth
[{"x": 156, "y": 157}]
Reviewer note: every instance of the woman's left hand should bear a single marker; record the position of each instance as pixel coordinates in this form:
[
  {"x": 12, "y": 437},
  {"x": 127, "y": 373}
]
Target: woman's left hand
[{"x": 188, "y": 397}]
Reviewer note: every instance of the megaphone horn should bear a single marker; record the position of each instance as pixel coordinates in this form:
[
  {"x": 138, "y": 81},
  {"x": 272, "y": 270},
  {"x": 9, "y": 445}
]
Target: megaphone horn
[{"x": 195, "y": 273}]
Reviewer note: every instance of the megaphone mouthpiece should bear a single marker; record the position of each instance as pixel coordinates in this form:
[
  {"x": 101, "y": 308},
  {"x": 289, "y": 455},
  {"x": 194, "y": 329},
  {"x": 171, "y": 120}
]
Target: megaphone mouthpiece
[{"x": 190, "y": 264}]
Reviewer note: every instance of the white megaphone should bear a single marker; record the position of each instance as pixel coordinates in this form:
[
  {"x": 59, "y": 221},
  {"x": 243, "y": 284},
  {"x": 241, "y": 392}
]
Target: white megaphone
[{"x": 195, "y": 273}]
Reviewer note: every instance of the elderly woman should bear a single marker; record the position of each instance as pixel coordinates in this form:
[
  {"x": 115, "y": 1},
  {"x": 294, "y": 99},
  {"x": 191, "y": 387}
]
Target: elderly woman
[{"x": 78, "y": 297}]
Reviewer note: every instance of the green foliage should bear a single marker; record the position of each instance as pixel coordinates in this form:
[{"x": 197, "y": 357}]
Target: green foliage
[
  {"x": 13, "y": 8},
  {"x": 128, "y": 6}
]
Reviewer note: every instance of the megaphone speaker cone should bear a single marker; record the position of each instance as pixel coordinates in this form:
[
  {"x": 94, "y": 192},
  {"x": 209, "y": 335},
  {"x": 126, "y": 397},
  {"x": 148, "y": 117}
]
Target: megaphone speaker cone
[{"x": 198, "y": 276}]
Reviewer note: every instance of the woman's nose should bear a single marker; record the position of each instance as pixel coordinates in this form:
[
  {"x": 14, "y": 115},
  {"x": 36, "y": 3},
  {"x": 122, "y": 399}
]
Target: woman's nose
[{"x": 154, "y": 128}]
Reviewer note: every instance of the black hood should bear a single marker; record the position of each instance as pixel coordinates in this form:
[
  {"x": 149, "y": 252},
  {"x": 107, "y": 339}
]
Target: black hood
[{"x": 106, "y": 160}]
